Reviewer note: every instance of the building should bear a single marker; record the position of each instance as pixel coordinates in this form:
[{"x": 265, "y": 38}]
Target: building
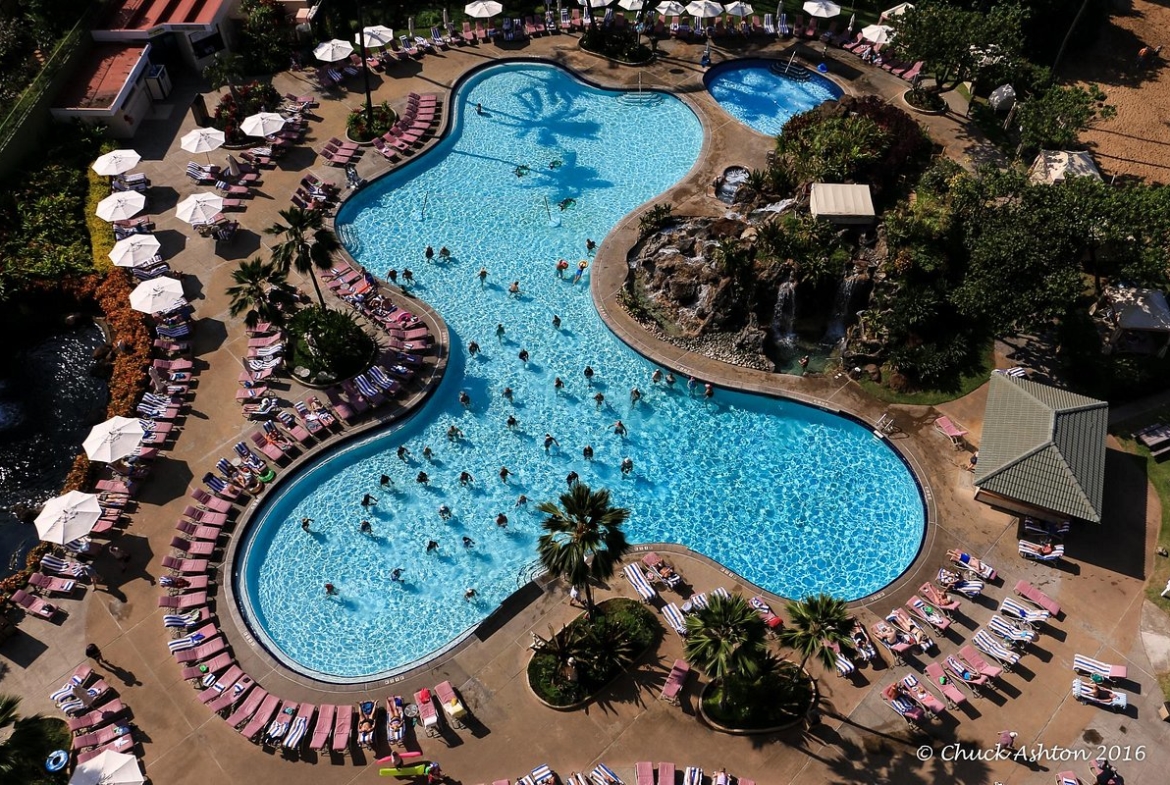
[
  {"x": 181, "y": 32},
  {"x": 109, "y": 89},
  {"x": 842, "y": 204}
]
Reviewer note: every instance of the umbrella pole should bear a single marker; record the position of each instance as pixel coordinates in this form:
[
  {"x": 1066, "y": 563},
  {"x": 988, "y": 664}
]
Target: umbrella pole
[{"x": 365, "y": 66}]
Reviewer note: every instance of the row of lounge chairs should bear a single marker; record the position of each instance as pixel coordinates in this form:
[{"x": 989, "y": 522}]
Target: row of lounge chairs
[
  {"x": 96, "y": 717},
  {"x": 416, "y": 123},
  {"x": 872, "y": 53}
]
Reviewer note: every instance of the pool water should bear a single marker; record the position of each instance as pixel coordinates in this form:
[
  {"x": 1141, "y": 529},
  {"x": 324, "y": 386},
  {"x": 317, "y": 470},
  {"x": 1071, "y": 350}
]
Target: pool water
[
  {"x": 794, "y": 499},
  {"x": 752, "y": 93}
]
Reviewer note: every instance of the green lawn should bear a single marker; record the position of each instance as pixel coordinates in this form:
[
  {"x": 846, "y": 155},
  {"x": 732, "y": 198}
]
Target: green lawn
[
  {"x": 1159, "y": 475},
  {"x": 967, "y": 383}
]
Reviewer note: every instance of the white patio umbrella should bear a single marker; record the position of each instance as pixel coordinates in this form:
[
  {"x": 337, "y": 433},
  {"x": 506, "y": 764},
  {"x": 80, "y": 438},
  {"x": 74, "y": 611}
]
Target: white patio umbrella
[
  {"x": 199, "y": 208},
  {"x": 704, "y": 9},
  {"x": 877, "y": 34},
  {"x": 109, "y": 768},
  {"x": 482, "y": 9},
  {"x": 116, "y": 162},
  {"x": 333, "y": 50},
  {"x": 262, "y": 124},
  {"x": 595, "y": 3},
  {"x": 670, "y": 8},
  {"x": 375, "y": 35},
  {"x": 632, "y": 5},
  {"x": 156, "y": 295},
  {"x": 113, "y": 439},
  {"x": 202, "y": 140},
  {"x": 134, "y": 250},
  {"x": 739, "y": 9},
  {"x": 120, "y": 206},
  {"x": 822, "y": 8},
  {"x": 897, "y": 10},
  {"x": 68, "y": 517}
]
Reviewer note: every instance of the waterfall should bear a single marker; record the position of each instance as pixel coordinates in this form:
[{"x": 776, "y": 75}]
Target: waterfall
[
  {"x": 784, "y": 315},
  {"x": 841, "y": 304}
]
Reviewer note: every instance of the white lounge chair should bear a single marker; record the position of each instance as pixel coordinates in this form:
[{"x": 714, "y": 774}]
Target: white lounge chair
[
  {"x": 1036, "y": 552},
  {"x": 1015, "y": 610},
  {"x": 1014, "y": 635},
  {"x": 1088, "y": 692},
  {"x": 634, "y": 575},
  {"x": 769, "y": 25},
  {"x": 994, "y": 649},
  {"x": 674, "y": 617},
  {"x": 1090, "y": 667}
]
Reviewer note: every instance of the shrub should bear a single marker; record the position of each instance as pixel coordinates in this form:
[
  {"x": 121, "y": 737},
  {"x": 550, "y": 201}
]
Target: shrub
[
  {"x": 330, "y": 344},
  {"x": 360, "y": 130},
  {"x": 616, "y": 43},
  {"x": 101, "y": 238},
  {"x": 655, "y": 219},
  {"x": 248, "y": 99},
  {"x": 775, "y": 699}
]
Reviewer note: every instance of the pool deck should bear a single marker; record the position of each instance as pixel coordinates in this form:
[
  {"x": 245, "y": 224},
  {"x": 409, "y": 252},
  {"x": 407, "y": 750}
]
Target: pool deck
[{"x": 860, "y": 741}]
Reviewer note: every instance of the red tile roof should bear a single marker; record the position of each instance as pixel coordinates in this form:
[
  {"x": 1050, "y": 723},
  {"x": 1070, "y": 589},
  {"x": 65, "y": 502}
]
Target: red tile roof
[
  {"x": 98, "y": 82},
  {"x": 145, "y": 14}
]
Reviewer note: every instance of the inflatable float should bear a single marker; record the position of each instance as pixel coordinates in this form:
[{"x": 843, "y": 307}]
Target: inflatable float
[{"x": 404, "y": 771}]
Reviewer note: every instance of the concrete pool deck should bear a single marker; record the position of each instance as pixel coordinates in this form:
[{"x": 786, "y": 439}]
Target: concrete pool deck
[{"x": 862, "y": 741}]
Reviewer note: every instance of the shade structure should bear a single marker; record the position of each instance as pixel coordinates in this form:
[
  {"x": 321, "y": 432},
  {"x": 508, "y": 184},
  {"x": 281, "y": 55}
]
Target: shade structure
[
  {"x": 113, "y": 439},
  {"x": 199, "y": 208},
  {"x": 375, "y": 35},
  {"x": 877, "y": 34},
  {"x": 482, "y": 9},
  {"x": 157, "y": 294},
  {"x": 333, "y": 50},
  {"x": 202, "y": 140},
  {"x": 262, "y": 124},
  {"x": 134, "y": 250},
  {"x": 1002, "y": 98},
  {"x": 120, "y": 206},
  {"x": 68, "y": 517},
  {"x": 109, "y": 768},
  {"x": 116, "y": 162},
  {"x": 670, "y": 8},
  {"x": 632, "y": 5},
  {"x": 822, "y": 8},
  {"x": 704, "y": 9},
  {"x": 739, "y": 9},
  {"x": 897, "y": 10}
]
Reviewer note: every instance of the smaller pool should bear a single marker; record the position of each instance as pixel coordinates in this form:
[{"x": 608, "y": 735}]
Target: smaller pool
[{"x": 763, "y": 100}]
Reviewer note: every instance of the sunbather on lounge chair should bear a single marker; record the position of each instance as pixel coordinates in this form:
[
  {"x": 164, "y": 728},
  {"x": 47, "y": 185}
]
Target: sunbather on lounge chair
[
  {"x": 365, "y": 727},
  {"x": 968, "y": 562}
]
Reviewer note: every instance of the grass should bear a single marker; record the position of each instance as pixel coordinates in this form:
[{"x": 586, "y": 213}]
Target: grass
[
  {"x": 967, "y": 383},
  {"x": 1159, "y": 476}
]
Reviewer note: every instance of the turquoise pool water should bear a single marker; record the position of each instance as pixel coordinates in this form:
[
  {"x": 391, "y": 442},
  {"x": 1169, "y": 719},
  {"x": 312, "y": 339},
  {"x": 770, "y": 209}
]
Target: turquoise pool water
[
  {"x": 795, "y": 499},
  {"x": 750, "y": 92}
]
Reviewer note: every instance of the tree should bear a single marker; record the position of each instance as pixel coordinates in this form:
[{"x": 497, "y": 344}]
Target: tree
[
  {"x": 306, "y": 244},
  {"x": 955, "y": 42},
  {"x": 226, "y": 69},
  {"x": 1055, "y": 119},
  {"x": 28, "y": 742},
  {"x": 727, "y": 640},
  {"x": 584, "y": 540},
  {"x": 815, "y": 626},
  {"x": 261, "y": 291}
]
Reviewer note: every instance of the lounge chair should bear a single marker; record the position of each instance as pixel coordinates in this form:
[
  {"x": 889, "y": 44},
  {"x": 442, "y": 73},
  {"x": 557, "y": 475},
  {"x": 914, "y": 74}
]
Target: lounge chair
[
  {"x": 58, "y": 585},
  {"x": 342, "y": 729},
  {"x": 215, "y": 686},
  {"x": 769, "y": 25},
  {"x": 204, "y": 633},
  {"x": 994, "y": 649},
  {"x": 221, "y": 487},
  {"x": 603, "y": 775},
  {"x": 74, "y": 569},
  {"x": 896, "y": 641},
  {"x": 201, "y": 652},
  {"x": 903, "y": 621},
  {"x": 952, "y": 582},
  {"x": 100, "y": 737},
  {"x": 542, "y": 775},
  {"x": 844, "y": 665},
  {"x": 186, "y": 620},
  {"x": 189, "y": 548},
  {"x": 1015, "y": 610},
  {"x": 194, "y": 600},
  {"x": 228, "y": 697},
  {"x": 79, "y": 678},
  {"x": 895, "y": 697},
  {"x": 366, "y": 724},
  {"x": 967, "y": 562},
  {"x": 938, "y": 598},
  {"x": 947, "y": 428},
  {"x": 1046, "y": 529},
  {"x": 928, "y": 613},
  {"x": 675, "y": 619},
  {"x": 1091, "y": 667},
  {"x": 1102, "y": 696},
  {"x": 428, "y": 716},
  {"x": 299, "y": 727},
  {"x": 968, "y": 675},
  {"x": 922, "y": 696},
  {"x": 953, "y": 696},
  {"x": 644, "y": 773},
  {"x": 123, "y": 743},
  {"x": 396, "y": 721},
  {"x": 638, "y": 580},
  {"x": 913, "y": 72},
  {"x": 660, "y": 571},
  {"x": 1013, "y": 635},
  {"x": 34, "y": 605},
  {"x": 208, "y": 669},
  {"x": 675, "y": 681},
  {"x": 1042, "y": 553},
  {"x": 323, "y": 727},
  {"x": 72, "y": 703},
  {"x": 1067, "y": 778},
  {"x": 452, "y": 706},
  {"x": 862, "y": 644},
  {"x": 98, "y": 717},
  {"x": 278, "y": 728},
  {"x": 976, "y": 660},
  {"x": 771, "y": 620},
  {"x": 260, "y": 718},
  {"x": 198, "y": 531},
  {"x": 209, "y": 502}
]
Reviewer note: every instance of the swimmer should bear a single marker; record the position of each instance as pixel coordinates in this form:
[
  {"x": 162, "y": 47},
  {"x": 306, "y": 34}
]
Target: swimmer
[
  {"x": 469, "y": 594},
  {"x": 468, "y": 542},
  {"x": 589, "y": 375},
  {"x": 502, "y": 521},
  {"x": 428, "y": 453},
  {"x": 365, "y": 528},
  {"x": 512, "y": 421},
  {"x": 500, "y": 333},
  {"x": 556, "y": 322},
  {"x": 600, "y": 399},
  {"x": 507, "y": 393},
  {"x": 473, "y": 348},
  {"x": 562, "y": 265},
  {"x": 620, "y": 428},
  {"x": 479, "y": 109},
  {"x": 635, "y": 395},
  {"x": 627, "y": 465},
  {"x": 403, "y": 454},
  {"x": 656, "y": 377},
  {"x": 514, "y": 288},
  {"x": 432, "y": 546},
  {"x": 464, "y": 398},
  {"x": 521, "y": 501},
  {"x": 305, "y": 523},
  {"x": 549, "y": 441},
  {"x": 670, "y": 380},
  {"x": 590, "y": 246},
  {"x": 386, "y": 482},
  {"x": 588, "y": 452},
  {"x": 708, "y": 390},
  {"x": 504, "y": 474},
  {"x": 454, "y": 434},
  {"x": 396, "y": 575},
  {"x": 422, "y": 478},
  {"x": 558, "y": 385},
  {"x": 444, "y": 512},
  {"x": 465, "y": 478},
  {"x": 567, "y": 202},
  {"x": 367, "y": 500},
  {"x": 429, "y": 253},
  {"x": 444, "y": 253},
  {"x": 691, "y": 383},
  {"x": 482, "y": 276},
  {"x": 330, "y": 589},
  {"x": 407, "y": 275},
  {"x": 572, "y": 478},
  {"x": 523, "y": 355},
  {"x": 392, "y": 275},
  {"x": 581, "y": 265}
]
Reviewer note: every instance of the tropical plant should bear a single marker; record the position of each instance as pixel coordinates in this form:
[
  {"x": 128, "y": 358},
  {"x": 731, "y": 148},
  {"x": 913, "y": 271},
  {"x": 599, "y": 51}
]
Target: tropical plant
[
  {"x": 1055, "y": 119},
  {"x": 27, "y": 742},
  {"x": 305, "y": 244},
  {"x": 330, "y": 344},
  {"x": 657, "y": 217},
  {"x": 815, "y": 626},
  {"x": 727, "y": 640},
  {"x": 359, "y": 127},
  {"x": 583, "y": 539},
  {"x": 226, "y": 69},
  {"x": 262, "y": 292},
  {"x": 955, "y": 42}
]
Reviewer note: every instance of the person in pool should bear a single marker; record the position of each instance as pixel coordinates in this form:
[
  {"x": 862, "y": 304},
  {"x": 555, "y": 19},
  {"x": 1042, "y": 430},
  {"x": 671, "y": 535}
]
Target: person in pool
[
  {"x": 504, "y": 474},
  {"x": 483, "y": 274},
  {"x": 473, "y": 348},
  {"x": 512, "y": 422},
  {"x": 422, "y": 478},
  {"x": 521, "y": 501},
  {"x": 587, "y": 452},
  {"x": 619, "y": 428},
  {"x": 396, "y": 575},
  {"x": 581, "y": 265},
  {"x": 432, "y": 546},
  {"x": 589, "y": 374},
  {"x": 558, "y": 385},
  {"x": 627, "y": 465},
  {"x": 502, "y": 521},
  {"x": 403, "y": 454},
  {"x": 365, "y": 527},
  {"x": 468, "y": 542},
  {"x": 556, "y": 322},
  {"x": 572, "y": 478},
  {"x": 562, "y": 265},
  {"x": 550, "y": 441},
  {"x": 465, "y": 478},
  {"x": 444, "y": 512}
]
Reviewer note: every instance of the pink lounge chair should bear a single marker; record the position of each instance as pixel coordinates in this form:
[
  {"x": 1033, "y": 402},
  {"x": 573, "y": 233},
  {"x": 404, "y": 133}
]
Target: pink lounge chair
[
  {"x": 216, "y": 663},
  {"x": 100, "y": 737},
  {"x": 192, "y": 548},
  {"x": 342, "y": 729},
  {"x": 299, "y": 727},
  {"x": 665, "y": 773},
  {"x": 428, "y": 715},
  {"x": 323, "y": 727},
  {"x": 644, "y": 772},
  {"x": 221, "y": 684},
  {"x": 912, "y": 73},
  {"x": 954, "y": 697},
  {"x": 976, "y": 660},
  {"x": 675, "y": 681},
  {"x": 59, "y": 585},
  {"x": 939, "y": 598},
  {"x": 185, "y": 566},
  {"x": 34, "y": 605},
  {"x": 261, "y": 718},
  {"x": 182, "y": 601},
  {"x": 1037, "y": 597},
  {"x": 271, "y": 450},
  {"x": 97, "y": 717},
  {"x": 198, "y": 531},
  {"x": 231, "y": 694},
  {"x": 123, "y": 743},
  {"x": 203, "y": 652},
  {"x": 922, "y": 696},
  {"x": 205, "y": 516},
  {"x": 953, "y": 432},
  {"x": 209, "y": 502}
]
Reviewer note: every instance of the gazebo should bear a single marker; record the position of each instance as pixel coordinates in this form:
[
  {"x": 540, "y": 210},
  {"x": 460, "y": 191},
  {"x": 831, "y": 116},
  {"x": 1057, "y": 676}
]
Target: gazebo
[
  {"x": 841, "y": 204},
  {"x": 1043, "y": 451},
  {"x": 1137, "y": 321},
  {"x": 1056, "y": 166}
]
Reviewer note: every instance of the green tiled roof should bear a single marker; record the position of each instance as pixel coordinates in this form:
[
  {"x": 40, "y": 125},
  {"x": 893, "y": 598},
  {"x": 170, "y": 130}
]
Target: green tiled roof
[{"x": 1043, "y": 446}]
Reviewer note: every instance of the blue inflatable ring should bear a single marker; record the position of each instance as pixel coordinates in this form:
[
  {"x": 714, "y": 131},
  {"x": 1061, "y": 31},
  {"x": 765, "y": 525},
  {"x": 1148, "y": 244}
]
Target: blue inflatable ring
[{"x": 57, "y": 761}]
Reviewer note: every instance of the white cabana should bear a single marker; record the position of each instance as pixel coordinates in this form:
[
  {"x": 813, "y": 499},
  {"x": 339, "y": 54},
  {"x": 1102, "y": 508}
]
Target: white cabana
[
  {"x": 842, "y": 204},
  {"x": 897, "y": 10},
  {"x": 1139, "y": 320},
  {"x": 1056, "y": 166}
]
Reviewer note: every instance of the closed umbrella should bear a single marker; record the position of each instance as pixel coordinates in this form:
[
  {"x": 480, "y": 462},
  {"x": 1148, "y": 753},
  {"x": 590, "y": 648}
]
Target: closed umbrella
[
  {"x": 739, "y": 9},
  {"x": 262, "y": 124},
  {"x": 134, "y": 250},
  {"x": 482, "y": 9},
  {"x": 157, "y": 294},
  {"x": 116, "y": 162},
  {"x": 1002, "y": 98},
  {"x": 113, "y": 439},
  {"x": 109, "y": 768},
  {"x": 375, "y": 35},
  {"x": 670, "y": 8},
  {"x": 68, "y": 517},
  {"x": 877, "y": 34},
  {"x": 120, "y": 206},
  {"x": 852, "y": 21},
  {"x": 333, "y": 50},
  {"x": 199, "y": 208},
  {"x": 822, "y": 8}
]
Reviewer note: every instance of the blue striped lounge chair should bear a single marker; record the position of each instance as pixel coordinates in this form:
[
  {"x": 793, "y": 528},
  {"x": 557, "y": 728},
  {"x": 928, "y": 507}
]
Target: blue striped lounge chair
[
  {"x": 1036, "y": 552},
  {"x": 1102, "y": 696},
  {"x": 1009, "y": 632},
  {"x": 994, "y": 649},
  {"x": 543, "y": 774},
  {"x": 634, "y": 575},
  {"x": 1091, "y": 667},
  {"x": 693, "y": 776},
  {"x": 603, "y": 775},
  {"x": 1015, "y": 610},
  {"x": 674, "y": 617}
]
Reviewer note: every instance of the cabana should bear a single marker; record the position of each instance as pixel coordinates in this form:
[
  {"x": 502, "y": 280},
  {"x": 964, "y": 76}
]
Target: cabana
[
  {"x": 842, "y": 204},
  {"x": 1056, "y": 166},
  {"x": 1137, "y": 321}
]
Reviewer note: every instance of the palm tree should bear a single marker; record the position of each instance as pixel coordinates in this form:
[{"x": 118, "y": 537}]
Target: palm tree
[
  {"x": 727, "y": 640},
  {"x": 226, "y": 69},
  {"x": 584, "y": 539},
  {"x": 815, "y": 625},
  {"x": 300, "y": 251},
  {"x": 27, "y": 742},
  {"x": 261, "y": 291}
]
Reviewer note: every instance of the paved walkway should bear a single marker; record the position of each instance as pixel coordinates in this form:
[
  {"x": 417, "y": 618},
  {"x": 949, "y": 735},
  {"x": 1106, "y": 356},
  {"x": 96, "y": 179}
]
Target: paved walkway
[{"x": 861, "y": 741}]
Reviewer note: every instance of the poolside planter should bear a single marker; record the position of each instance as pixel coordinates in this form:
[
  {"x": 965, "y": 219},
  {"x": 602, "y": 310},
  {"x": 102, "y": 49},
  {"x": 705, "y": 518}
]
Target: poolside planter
[{"x": 758, "y": 731}]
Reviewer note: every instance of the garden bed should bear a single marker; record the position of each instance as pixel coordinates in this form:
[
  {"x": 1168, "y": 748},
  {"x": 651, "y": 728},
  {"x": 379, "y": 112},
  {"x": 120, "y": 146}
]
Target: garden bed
[{"x": 775, "y": 703}]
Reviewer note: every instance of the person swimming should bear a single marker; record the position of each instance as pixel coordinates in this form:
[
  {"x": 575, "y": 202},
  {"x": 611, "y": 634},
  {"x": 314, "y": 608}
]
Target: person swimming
[
  {"x": 550, "y": 441},
  {"x": 454, "y": 434},
  {"x": 422, "y": 478},
  {"x": 619, "y": 428},
  {"x": 386, "y": 481},
  {"x": 305, "y": 523},
  {"x": 468, "y": 542},
  {"x": 365, "y": 527},
  {"x": 500, "y": 332},
  {"x": 473, "y": 348},
  {"x": 432, "y": 546},
  {"x": 523, "y": 355},
  {"x": 403, "y": 454},
  {"x": 465, "y": 478},
  {"x": 566, "y": 203},
  {"x": 656, "y": 377},
  {"x": 396, "y": 575},
  {"x": 572, "y": 478},
  {"x": 512, "y": 422},
  {"x": 507, "y": 393},
  {"x": 464, "y": 398},
  {"x": 635, "y": 395},
  {"x": 504, "y": 474},
  {"x": 558, "y": 384},
  {"x": 599, "y": 398},
  {"x": 469, "y": 594},
  {"x": 444, "y": 512},
  {"x": 587, "y": 452},
  {"x": 562, "y": 265},
  {"x": 627, "y": 465},
  {"x": 581, "y": 266},
  {"x": 589, "y": 374},
  {"x": 502, "y": 521},
  {"x": 428, "y": 453},
  {"x": 521, "y": 501},
  {"x": 367, "y": 500},
  {"x": 670, "y": 380},
  {"x": 556, "y": 322}
]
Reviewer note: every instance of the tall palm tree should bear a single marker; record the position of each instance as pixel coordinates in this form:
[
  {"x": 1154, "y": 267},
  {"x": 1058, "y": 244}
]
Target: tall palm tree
[
  {"x": 226, "y": 69},
  {"x": 305, "y": 244},
  {"x": 27, "y": 742},
  {"x": 727, "y": 640},
  {"x": 584, "y": 539},
  {"x": 815, "y": 625},
  {"x": 261, "y": 291}
]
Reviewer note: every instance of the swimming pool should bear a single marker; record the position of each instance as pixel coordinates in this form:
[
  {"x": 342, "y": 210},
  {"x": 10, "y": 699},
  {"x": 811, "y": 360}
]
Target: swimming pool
[
  {"x": 795, "y": 499},
  {"x": 761, "y": 99}
]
